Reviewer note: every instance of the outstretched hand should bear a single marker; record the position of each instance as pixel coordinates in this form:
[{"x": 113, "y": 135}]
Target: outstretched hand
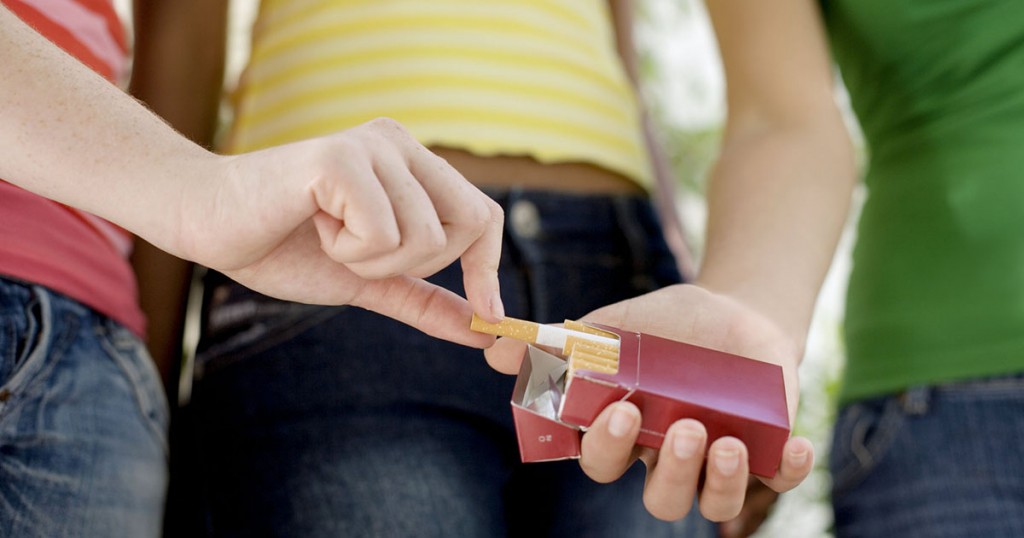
[
  {"x": 674, "y": 472},
  {"x": 359, "y": 217}
]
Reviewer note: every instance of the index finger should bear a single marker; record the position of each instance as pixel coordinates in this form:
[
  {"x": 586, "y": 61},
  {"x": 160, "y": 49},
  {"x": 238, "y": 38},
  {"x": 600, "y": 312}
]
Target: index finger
[
  {"x": 474, "y": 223},
  {"x": 424, "y": 306},
  {"x": 480, "y": 269}
]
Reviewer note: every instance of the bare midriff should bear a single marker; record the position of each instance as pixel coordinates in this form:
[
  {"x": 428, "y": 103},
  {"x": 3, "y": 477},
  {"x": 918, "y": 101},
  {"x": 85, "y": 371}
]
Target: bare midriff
[{"x": 509, "y": 171}]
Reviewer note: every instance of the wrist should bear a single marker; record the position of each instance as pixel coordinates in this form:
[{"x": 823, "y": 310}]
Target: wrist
[
  {"x": 786, "y": 313},
  {"x": 202, "y": 180}
]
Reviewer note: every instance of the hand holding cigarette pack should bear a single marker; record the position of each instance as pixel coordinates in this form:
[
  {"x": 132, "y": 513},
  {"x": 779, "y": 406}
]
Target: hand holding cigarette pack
[{"x": 571, "y": 373}]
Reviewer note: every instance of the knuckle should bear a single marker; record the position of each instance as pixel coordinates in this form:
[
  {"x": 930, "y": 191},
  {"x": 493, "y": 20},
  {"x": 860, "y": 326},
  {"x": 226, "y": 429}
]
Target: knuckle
[
  {"x": 340, "y": 157},
  {"x": 424, "y": 243},
  {"x": 436, "y": 242},
  {"x": 385, "y": 123},
  {"x": 384, "y": 240},
  {"x": 371, "y": 270},
  {"x": 495, "y": 213},
  {"x": 391, "y": 130}
]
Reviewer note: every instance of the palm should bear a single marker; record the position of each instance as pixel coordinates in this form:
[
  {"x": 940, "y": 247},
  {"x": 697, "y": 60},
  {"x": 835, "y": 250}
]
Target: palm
[{"x": 695, "y": 315}]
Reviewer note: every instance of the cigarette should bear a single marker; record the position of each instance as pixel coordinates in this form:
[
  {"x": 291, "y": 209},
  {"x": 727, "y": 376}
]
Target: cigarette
[{"x": 536, "y": 333}]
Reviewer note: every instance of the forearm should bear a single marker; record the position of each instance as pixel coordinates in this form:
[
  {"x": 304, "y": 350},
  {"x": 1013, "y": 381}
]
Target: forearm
[
  {"x": 780, "y": 192},
  {"x": 83, "y": 142},
  {"x": 777, "y": 203}
]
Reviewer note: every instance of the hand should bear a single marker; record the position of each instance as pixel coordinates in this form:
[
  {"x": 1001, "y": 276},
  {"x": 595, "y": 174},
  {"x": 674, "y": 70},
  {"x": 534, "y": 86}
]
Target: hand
[
  {"x": 698, "y": 316},
  {"x": 756, "y": 507},
  {"x": 360, "y": 218}
]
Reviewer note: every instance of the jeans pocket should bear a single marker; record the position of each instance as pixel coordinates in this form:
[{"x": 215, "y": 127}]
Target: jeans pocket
[
  {"x": 263, "y": 323},
  {"x": 864, "y": 432},
  {"x": 28, "y": 344},
  {"x": 129, "y": 353}
]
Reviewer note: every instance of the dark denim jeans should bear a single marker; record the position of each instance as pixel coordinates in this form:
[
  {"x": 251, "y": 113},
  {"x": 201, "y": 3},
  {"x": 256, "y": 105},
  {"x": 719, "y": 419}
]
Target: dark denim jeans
[
  {"x": 83, "y": 421},
  {"x": 943, "y": 461},
  {"x": 318, "y": 421}
]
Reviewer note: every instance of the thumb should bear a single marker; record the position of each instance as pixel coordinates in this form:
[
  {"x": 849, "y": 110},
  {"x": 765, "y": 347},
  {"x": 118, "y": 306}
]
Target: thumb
[
  {"x": 506, "y": 355},
  {"x": 616, "y": 315},
  {"x": 424, "y": 306}
]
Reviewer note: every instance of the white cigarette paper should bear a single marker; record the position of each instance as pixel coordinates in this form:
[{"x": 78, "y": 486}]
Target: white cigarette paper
[{"x": 536, "y": 333}]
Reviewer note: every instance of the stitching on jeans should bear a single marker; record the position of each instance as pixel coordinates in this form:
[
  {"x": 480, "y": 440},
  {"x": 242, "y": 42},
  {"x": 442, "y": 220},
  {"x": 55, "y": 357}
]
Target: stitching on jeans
[
  {"x": 128, "y": 361},
  {"x": 1010, "y": 385},
  {"x": 51, "y": 344},
  {"x": 224, "y": 354},
  {"x": 867, "y": 451}
]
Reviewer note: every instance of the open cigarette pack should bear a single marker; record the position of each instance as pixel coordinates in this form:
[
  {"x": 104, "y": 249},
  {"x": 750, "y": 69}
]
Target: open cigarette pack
[{"x": 569, "y": 375}]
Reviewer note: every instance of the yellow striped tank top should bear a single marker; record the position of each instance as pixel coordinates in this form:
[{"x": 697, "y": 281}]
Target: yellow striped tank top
[{"x": 538, "y": 78}]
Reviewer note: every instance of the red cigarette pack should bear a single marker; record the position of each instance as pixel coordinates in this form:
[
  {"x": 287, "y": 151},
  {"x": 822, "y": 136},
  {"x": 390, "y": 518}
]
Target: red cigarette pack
[{"x": 667, "y": 380}]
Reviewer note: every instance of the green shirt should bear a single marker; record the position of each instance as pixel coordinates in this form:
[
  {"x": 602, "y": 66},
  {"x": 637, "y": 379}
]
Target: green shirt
[{"x": 937, "y": 288}]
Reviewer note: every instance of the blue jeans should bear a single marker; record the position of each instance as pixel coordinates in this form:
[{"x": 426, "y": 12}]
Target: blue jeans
[
  {"x": 319, "y": 421},
  {"x": 934, "y": 461},
  {"x": 83, "y": 418}
]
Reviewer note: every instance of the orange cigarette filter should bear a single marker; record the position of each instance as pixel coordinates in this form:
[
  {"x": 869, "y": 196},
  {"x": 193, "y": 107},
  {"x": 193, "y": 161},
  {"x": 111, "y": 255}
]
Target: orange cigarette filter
[
  {"x": 583, "y": 346},
  {"x": 536, "y": 333}
]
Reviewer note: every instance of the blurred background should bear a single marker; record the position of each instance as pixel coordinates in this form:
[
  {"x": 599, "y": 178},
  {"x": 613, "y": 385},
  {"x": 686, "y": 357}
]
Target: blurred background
[{"x": 684, "y": 89}]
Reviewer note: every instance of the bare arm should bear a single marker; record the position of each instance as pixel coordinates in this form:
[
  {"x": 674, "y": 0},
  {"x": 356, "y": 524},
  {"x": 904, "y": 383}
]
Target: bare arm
[
  {"x": 82, "y": 142},
  {"x": 779, "y": 197},
  {"x": 781, "y": 189},
  {"x": 178, "y": 72},
  {"x": 358, "y": 217}
]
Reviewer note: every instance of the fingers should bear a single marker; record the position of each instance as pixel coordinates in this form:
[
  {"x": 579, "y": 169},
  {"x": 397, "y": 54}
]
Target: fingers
[
  {"x": 759, "y": 501},
  {"x": 421, "y": 245},
  {"x": 356, "y": 221},
  {"x": 672, "y": 479},
  {"x": 506, "y": 355},
  {"x": 424, "y": 306},
  {"x": 797, "y": 463},
  {"x": 473, "y": 225},
  {"x": 480, "y": 268},
  {"x": 374, "y": 215},
  {"x": 608, "y": 448},
  {"x": 400, "y": 209},
  {"x": 725, "y": 481},
  {"x": 685, "y": 465}
]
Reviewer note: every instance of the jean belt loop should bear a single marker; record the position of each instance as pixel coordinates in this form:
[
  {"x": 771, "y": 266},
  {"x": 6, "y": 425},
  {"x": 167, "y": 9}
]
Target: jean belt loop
[
  {"x": 915, "y": 400},
  {"x": 628, "y": 218}
]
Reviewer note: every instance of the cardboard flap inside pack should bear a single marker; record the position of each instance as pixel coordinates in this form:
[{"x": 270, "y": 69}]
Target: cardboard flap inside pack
[{"x": 569, "y": 375}]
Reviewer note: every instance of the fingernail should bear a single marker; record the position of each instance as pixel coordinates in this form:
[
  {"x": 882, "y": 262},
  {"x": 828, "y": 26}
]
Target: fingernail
[
  {"x": 798, "y": 458},
  {"x": 727, "y": 461},
  {"x": 497, "y": 308},
  {"x": 685, "y": 445},
  {"x": 620, "y": 423}
]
